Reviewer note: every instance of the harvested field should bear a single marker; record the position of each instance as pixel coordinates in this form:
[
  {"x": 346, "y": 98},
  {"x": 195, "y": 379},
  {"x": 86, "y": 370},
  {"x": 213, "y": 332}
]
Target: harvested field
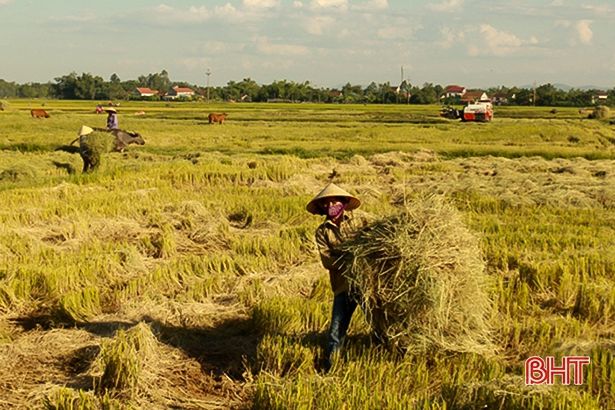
[{"x": 183, "y": 273}]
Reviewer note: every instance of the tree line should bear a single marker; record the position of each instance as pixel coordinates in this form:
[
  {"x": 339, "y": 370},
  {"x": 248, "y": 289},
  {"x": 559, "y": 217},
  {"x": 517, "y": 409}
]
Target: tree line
[{"x": 92, "y": 87}]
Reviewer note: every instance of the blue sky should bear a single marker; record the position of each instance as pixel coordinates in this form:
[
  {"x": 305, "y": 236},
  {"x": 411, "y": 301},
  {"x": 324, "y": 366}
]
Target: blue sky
[{"x": 475, "y": 43}]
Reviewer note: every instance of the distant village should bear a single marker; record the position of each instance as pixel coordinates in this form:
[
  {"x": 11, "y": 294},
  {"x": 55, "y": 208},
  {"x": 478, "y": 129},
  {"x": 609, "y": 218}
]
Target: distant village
[{"x": 158, "y": 86}]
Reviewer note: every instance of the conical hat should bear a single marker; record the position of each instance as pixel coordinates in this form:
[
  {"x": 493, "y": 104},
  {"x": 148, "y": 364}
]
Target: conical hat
[
  {"x": 329, "y": 191},
  {"x": 110, "y": 110},
  {"x": 84, "y": 130}
]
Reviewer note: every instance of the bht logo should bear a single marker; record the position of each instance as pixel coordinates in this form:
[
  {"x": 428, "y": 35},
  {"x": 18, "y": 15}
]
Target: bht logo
[{"x": 543, "y": 371}]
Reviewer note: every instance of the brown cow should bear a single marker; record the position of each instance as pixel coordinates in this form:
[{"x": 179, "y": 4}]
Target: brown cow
[
  {"x": 39, "y": 113},
  {"x": 219, "y": 118}
]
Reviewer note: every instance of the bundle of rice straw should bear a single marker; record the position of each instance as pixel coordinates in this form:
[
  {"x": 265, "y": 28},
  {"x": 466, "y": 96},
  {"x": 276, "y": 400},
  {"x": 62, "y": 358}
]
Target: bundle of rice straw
[
  {"x": 420, "y": 275},
  {"x": 600, "y": 112}
]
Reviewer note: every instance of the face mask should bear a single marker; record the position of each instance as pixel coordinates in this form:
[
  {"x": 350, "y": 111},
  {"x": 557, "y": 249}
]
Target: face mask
[{"x": 334, "y": 211}]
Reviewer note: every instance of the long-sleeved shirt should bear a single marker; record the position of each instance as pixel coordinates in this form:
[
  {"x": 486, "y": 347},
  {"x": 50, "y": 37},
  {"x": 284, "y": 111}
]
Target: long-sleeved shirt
[
  {"x": 329, "y": 237},
  {"x": 112, "y": 122}
]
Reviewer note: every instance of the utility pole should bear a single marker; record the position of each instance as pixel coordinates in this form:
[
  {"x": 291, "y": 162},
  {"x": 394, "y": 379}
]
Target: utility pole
[
  {"x": 406, "y": 89},
  {"x": 208, "y": 73}
]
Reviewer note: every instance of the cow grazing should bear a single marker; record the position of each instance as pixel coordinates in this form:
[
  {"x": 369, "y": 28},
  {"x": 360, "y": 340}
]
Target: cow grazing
[
  {"x": 39, "y": 113},
  {"x": 93, "y": 145},
  {"x": 219, "y": 118}
]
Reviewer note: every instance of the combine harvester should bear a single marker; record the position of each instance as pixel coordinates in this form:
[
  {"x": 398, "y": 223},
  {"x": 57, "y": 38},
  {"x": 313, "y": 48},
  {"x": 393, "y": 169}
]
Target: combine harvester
[{"x": 481, "y": 111}]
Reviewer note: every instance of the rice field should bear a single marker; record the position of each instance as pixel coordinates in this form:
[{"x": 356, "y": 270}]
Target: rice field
[{"x": 183, "y": 273}]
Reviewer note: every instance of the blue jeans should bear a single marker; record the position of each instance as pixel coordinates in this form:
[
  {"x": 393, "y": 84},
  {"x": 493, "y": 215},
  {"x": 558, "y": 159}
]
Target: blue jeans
[{"x": 343, "y": 307}]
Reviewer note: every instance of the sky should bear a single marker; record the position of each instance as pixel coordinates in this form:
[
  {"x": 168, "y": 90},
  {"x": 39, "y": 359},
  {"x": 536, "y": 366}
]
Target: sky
[{"x": 474, "y": 43}]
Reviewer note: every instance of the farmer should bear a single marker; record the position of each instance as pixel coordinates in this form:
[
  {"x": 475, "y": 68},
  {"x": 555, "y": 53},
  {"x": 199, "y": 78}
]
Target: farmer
[
  {"x": 112, "y": 122},
  {"x": 333, "y": 202}
]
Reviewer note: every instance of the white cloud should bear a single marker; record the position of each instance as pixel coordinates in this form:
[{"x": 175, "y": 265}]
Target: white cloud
[
  {"x": 276, "y": 65},
  {"x": 193, "y": 15},
  {"x": 194, "y": 63},
  {"x": 450, "y": 37},
  {"x": 371, "y": 5},
  {"x": 556, "y": 3},
  {"x": 495, "y": 42},
  {"x": 344, "y": 33},
  {"x": 395, "y": 32},
  {"x": 163, "y": 8},
  {"x": 318, "y": 24},
  {"x": 584, "y": 31},
  {"x": 264, "y": 46},
  {"x": 265, "y": 4},
  {"x": 325, "y": 4},
  {"x": 297, "y": 4},
  {"x": 4, "y": 2},
  {"x": 581, "y": 30},
  {"x": 599, "y": 9},
  {"x": 219, "y": 47},
  {"x": 447, "y": 6},
  {"x": 229, "y": 12},
  {"x": 74, "y": 19},
  {"x": 198, "y": 14}
]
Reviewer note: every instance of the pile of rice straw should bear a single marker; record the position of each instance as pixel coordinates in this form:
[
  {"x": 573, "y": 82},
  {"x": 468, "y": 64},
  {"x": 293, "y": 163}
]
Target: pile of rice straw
[
  {"x": 420, "y": 276},
  {"x": 600, "y": 112}
]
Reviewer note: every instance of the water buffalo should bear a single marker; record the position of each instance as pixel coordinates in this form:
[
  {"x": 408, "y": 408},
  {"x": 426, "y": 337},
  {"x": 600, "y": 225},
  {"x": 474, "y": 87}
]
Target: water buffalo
[
  {"x": 39, "y": 113},
  {"x": 99, "y": 141},
  {"x": 219, "y": 118}
]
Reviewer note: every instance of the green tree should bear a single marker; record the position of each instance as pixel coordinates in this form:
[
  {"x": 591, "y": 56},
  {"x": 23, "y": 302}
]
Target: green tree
[
  {"x": 33, "y": 90},
  {"x": 524, "y": 96},
  {"x": 405, "y": 92},
  {"x": 8, "y": 89},
  {"x": 83, "y": 87},
  {"x": 370, "y": 93},
  {"x": 64, "y": 86},
  {"x": 248, "y": 89},
  {"x": 549, "y": 95},
  {"x": 89, "y": 87},
  {"x": 156, "y": 81},
  {"x": 426, "y": 95},
  {"x": 115, "y": 90}
]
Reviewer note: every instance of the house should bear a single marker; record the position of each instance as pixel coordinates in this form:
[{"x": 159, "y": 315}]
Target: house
[
  {"x": 335, "y": 94},
  {"x": 401, "y": 91},
  {"x": 470, "y": 97},
  {"x": 500, "y": 98},
  {"x": 452, "y": 91},
  {"x": 146, "y": 92},
  {"x": 179, "y": 92},
  {"x": 600, "y": 97}
]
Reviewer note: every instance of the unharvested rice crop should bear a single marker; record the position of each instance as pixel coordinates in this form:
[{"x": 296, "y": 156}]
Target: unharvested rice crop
[{"x": 421, "y": 279}]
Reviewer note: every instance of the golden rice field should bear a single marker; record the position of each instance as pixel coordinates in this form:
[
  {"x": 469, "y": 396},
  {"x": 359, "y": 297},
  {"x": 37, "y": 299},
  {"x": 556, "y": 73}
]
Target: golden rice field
[{"x": 183, "y": 273}]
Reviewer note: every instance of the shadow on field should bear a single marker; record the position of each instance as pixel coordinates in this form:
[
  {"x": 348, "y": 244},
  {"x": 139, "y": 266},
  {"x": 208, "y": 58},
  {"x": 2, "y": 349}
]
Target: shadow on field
[
  {"x": 69, "y": 168},
  {"x": 226, "y": 348},
  {"x": 26, "y": 147}
]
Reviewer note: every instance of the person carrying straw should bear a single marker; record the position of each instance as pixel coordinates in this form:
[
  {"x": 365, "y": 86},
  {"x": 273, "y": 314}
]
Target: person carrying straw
[{"x": 334, "y": 202}]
